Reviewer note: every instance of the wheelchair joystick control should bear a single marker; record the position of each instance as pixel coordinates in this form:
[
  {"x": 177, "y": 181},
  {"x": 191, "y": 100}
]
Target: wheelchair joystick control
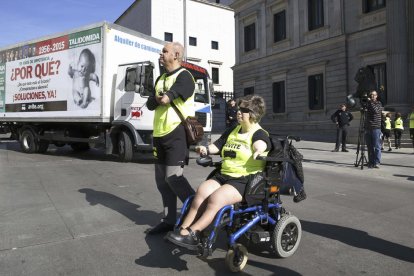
[{"x": 204, "y": 160}]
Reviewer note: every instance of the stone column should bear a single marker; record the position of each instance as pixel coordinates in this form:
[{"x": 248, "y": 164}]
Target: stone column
[
  {"x": 397, "y": 64},
  {"x": 410, "y": 31}
]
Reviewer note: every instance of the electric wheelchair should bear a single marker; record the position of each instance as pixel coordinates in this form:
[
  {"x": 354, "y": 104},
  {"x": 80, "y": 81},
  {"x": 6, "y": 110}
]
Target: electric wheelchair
[{"x": 260, "y": 217}]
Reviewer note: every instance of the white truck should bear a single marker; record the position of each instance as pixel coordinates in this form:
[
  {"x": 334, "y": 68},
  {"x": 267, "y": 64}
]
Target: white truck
[{"x": 87, "y": 88}]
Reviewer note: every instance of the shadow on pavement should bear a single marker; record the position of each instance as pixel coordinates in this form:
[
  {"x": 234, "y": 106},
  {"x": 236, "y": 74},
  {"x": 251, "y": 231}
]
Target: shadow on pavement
[
  {"x": 219, "y": 266},
  {"x": 122, "y": 206},
  {"x": 162, "y": 254},
  {"x": 408, "y": 177},
  {"x": 359, "y": 239}
]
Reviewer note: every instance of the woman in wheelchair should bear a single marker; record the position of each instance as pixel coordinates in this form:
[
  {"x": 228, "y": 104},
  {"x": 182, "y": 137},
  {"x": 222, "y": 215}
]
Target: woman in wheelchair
[{"x": 238, "y": 148}]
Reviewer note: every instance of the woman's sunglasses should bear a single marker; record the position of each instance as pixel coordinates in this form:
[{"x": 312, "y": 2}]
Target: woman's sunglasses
[{"x": 243, "y": 109}]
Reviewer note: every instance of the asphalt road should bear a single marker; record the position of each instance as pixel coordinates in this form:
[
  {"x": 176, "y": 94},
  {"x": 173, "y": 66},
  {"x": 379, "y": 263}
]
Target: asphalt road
[{"x": 63, "y": 213}]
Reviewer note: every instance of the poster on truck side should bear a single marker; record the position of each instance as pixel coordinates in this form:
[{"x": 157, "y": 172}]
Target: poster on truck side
[{"x": 55, "y": 77}]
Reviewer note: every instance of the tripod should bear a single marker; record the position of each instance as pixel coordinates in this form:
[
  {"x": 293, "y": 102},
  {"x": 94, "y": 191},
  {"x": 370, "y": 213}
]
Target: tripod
[{"x": 360, "y": 154}]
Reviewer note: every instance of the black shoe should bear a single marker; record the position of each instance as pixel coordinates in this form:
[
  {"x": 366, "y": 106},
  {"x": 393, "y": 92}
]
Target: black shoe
[
  {"x": 389, "y": 149},
  {"x": 335, "y": 150},
  {"x": 160, "y": 228},
  {"x": 300, "y": 196},
  {"x": 345, "y": 150},
  {"x": 190, "y": 241}
]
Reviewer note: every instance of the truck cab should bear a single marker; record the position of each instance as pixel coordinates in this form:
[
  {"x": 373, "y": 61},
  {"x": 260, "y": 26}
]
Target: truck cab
[{"x": 133, "y": 123}]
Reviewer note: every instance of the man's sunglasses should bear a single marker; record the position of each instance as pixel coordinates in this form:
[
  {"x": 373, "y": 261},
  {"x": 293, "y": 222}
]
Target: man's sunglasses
[{"x": 243, "y": 109}]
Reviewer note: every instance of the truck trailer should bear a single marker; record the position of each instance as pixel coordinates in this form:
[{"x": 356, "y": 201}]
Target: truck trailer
[{"x": 86, "y": 88}]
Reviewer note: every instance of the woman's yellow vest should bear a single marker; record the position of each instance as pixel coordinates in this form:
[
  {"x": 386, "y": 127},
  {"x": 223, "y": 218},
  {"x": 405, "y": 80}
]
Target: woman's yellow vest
[
  {"x": 399, "y": 124},
  {"x": 412, "y": 120},
  {"x": 165, "y": 117},
  {"x": 237, "y": 154},
  {"x": 387, "y": 123}
]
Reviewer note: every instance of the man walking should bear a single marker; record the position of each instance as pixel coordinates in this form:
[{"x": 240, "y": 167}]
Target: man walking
[
  {"x": 170, "y": 145},
  {"x": 341, "y": 118}
]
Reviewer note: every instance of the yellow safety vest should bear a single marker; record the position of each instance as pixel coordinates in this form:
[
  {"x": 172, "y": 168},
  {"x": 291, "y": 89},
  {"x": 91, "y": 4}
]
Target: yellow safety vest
[
  {"x": 412, "y": 120},
  {"x": 387, "y": 123},
  {"x": 166, "y": 118},
  {"x": 237, "y": 154},
  {"x": 399, "y": 123}
]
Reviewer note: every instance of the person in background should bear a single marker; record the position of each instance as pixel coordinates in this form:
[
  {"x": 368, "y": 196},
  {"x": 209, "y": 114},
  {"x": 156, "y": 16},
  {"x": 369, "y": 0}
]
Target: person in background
[
  {"x": 398, "y": 129},
  {"x": 411, "y": 125},
  {"x": 373, "y": 130},
  {"x": 386, "y": 131},
  {"x": 341, "y": 118},
  {"x": 231, "y": 114},
  {"x": 171, "y": 150}
]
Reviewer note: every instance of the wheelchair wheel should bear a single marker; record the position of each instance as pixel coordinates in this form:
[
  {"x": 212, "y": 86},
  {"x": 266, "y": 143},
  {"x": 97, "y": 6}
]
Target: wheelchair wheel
[
  {"x": 236, "y": 258},
  {"x": 286, "y": 236}
]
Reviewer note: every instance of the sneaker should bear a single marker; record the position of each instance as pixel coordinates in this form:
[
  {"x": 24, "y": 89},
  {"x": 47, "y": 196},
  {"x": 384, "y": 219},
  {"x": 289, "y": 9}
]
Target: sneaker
[
  {"x": 335, "y": 150},
  {"x": 160, "y": 228},
  {"x": 390, "y": 149},
  {"x": 376, "y": 166}
]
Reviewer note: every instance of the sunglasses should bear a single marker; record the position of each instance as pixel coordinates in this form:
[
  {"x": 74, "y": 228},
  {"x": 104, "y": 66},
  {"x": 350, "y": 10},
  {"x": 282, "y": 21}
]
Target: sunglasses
[{"x": 243, "y": 109}]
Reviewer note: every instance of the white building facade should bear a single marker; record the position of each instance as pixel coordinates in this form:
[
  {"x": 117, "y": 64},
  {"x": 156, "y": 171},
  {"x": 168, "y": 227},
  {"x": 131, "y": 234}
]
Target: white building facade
[{"x": 205, "y": 28}]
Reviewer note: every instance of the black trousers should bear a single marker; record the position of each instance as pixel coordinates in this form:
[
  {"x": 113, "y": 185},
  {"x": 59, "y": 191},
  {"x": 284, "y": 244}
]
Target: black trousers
[
  {"x": 397, "y": 136},
  {"x": 341, "y": 134}
]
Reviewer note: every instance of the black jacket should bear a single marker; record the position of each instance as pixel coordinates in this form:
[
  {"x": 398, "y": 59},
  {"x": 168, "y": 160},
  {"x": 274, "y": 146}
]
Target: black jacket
[{"x": 342, "y": 117}]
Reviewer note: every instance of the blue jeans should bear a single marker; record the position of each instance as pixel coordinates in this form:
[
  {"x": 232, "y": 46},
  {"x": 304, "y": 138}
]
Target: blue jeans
[{"x": 373, "y": 141}]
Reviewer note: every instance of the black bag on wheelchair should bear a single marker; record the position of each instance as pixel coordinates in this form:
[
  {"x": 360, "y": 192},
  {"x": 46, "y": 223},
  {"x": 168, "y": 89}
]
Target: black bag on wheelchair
[{"x": 285, "y": 172}]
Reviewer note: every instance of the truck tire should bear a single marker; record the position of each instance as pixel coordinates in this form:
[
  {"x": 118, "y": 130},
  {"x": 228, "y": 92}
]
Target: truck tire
[
  {"x": 28, "y": 141},
  {"x": 125, "y": 147},
  {"x": 80, "y": 146}
]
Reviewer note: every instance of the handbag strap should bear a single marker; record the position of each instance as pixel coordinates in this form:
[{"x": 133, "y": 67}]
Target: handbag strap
[{"x": 178, "y": 111}]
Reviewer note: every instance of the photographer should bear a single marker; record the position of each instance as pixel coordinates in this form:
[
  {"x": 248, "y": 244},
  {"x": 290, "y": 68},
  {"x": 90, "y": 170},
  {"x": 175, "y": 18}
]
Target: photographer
[{"x": 373, "y": 129}]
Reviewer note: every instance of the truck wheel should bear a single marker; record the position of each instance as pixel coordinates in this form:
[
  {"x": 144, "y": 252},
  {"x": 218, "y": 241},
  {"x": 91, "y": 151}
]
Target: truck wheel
[
  {"x": 125, "y": 147},
  {"x": 43, "y": 146},
  {"x": 80, "y": 146},
  {"x": 28, "y": 141}
]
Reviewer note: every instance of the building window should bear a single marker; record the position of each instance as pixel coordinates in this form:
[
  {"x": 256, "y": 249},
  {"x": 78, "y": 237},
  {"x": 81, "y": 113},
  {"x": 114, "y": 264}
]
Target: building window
[
  {"x": 315, "y": 88},
  {"x": 279, "y": 25},
  {"x": 192, "y": 41},
  {"x": 215, "y": 75},
  {"x": 248, "y": 91},
  {"x": 279, "y": 97},
  {"x": 168, "y": 37},
  {"x": 214, "y": 45},
  {"x": 373, "y": 5},
  {"x": 380, "y": 72},
  {"x": 250, "y": 37},
  {"x": 315, "y": 14}
]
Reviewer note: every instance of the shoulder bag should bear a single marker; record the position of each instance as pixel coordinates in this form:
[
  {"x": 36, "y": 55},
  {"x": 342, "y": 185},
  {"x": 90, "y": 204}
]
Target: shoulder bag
[{"x": 193, "y": 128}]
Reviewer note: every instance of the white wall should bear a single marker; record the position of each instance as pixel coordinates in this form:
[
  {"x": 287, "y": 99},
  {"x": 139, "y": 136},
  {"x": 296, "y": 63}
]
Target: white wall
[{"x": 205, "y": 21}]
